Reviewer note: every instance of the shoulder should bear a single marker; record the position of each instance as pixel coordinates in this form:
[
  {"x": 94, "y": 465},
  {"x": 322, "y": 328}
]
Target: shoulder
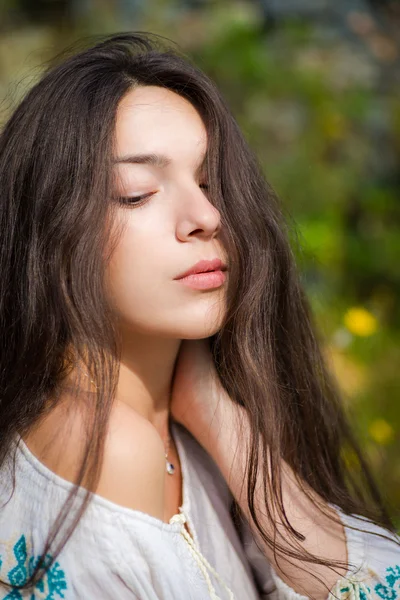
[
  {"x": 133, "y": 468},
  {"x": 371, "y": 544}
]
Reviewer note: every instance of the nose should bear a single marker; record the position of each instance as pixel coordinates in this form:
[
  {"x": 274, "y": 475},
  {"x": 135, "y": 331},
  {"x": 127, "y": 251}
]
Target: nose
[{"x": 197, "y": 216}]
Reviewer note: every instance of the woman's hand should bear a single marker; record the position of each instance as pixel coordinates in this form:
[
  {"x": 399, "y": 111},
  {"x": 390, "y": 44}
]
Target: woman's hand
[{"x": 201, "y": 404}]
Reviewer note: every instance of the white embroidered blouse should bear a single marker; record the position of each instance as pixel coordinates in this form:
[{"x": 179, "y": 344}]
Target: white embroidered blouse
[{"x": 124, "y": 554}]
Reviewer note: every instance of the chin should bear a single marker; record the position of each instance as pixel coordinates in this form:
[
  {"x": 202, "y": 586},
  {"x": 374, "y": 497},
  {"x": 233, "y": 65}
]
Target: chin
[
  {"x": 198, "y": 327},
  {"x": 192, "y": 321}
]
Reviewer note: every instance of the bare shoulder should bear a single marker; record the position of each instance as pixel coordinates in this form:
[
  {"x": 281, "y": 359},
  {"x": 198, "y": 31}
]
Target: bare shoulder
[{"x": 133, "y": 469}]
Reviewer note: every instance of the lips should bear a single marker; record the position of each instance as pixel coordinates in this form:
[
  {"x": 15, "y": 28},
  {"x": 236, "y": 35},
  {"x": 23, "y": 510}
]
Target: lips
[{"x": 204, "y": 266}]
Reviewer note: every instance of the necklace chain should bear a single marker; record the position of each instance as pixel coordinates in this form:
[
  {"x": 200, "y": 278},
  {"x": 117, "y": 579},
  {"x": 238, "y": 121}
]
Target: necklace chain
[{"x": 169, "y": 466}]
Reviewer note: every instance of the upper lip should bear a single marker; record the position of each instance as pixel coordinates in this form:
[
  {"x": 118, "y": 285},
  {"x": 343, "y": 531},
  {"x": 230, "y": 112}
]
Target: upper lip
[{"x": 203, "y": 266}]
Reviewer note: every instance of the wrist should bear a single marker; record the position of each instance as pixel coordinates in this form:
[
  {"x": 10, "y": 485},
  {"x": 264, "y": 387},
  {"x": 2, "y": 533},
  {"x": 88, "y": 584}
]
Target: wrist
[{"x": 218, "y": 431}]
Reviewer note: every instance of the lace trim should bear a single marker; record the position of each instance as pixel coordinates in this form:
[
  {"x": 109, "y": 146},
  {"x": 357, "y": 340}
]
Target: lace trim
[{"x": 201, "y": 560}]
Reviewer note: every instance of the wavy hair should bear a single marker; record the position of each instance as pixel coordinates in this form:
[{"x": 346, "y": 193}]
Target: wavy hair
[{"x": 56, "y": 219}]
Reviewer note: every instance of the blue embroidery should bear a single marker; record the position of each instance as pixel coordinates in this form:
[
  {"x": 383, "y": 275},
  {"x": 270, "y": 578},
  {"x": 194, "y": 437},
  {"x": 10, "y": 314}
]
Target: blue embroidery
[
  {"x": 18, "y": 574},
  {"x": 393, "y": 575},
  {"x": 54, "y": 578},
  {"x": 388, "y": 592},
  {"x": 363, "y": 595},
  {"x": 353, "y": 590}
]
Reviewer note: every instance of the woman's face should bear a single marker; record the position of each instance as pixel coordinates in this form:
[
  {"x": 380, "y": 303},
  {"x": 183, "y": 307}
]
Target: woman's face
[{"x": 173, "y": 228}]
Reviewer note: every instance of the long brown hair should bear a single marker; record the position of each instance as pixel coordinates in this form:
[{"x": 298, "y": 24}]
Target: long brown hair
[{"x": 56, "y": 216}]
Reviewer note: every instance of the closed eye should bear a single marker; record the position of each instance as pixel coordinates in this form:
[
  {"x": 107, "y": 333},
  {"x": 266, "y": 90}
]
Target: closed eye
[
  {"x": 136, "y": 200},
  {"x": 133, "y": 200}
]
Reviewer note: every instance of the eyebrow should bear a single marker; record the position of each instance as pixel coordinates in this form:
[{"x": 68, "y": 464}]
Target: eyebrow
[{"x": 154, "y": 160}]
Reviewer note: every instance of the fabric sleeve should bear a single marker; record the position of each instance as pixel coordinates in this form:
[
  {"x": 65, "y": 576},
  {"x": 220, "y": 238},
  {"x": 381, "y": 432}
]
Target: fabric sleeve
[{"x": 373, "y": 557}]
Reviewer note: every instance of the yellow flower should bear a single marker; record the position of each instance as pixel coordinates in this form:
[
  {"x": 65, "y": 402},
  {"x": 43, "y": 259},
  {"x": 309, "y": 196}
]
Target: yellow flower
[
  {"x": 360, "y": 321},
  {"x": 381, "y": 432}
]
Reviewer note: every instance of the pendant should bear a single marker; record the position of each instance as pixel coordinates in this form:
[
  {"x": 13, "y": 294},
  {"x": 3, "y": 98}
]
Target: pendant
[{"x": 170, "y": 468}]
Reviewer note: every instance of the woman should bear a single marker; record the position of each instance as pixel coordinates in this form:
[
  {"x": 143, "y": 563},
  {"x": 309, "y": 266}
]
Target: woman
[{"x": 164, "y": 433}]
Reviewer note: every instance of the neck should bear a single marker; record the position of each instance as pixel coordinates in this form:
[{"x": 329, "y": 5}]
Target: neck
[{"x": 146, "y": 375}]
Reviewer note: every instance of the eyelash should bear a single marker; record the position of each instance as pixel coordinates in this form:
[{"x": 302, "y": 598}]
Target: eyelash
[
  {"x": 143, "y": 199},
  {"x": 135, "y": 200}
]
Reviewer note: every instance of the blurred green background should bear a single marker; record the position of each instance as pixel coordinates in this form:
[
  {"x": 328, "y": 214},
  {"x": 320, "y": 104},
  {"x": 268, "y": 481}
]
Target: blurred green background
[{"x": 315, "y": 86}]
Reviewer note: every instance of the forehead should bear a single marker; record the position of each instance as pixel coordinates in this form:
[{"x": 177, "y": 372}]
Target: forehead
[{"x": 155, "y": 119}]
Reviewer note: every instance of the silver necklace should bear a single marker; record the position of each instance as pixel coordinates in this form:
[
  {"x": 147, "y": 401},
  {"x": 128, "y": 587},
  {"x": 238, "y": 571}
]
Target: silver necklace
[{"x": 169, "y": 466}]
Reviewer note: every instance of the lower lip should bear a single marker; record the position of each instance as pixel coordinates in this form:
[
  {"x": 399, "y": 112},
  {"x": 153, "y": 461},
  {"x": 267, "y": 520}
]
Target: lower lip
[{"x": 204, "y": 281}]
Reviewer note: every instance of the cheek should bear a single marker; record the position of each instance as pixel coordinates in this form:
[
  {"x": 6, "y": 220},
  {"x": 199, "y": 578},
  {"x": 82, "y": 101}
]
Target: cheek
[
  {"x": 145, "y": 297},
  {"x": 139, "y": 280},
  {"x": 134, "y": 272}
]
